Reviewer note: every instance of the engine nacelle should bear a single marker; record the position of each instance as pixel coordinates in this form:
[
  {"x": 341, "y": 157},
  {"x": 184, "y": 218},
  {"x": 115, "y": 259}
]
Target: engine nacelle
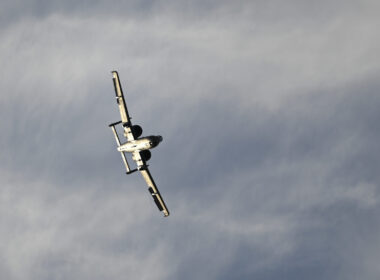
[
  {"x": 136, "y": 130},
  {"x": 146, "y": 155}
]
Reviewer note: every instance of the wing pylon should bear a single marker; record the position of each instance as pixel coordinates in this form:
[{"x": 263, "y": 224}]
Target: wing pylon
[{"x": 154, "y": 191}]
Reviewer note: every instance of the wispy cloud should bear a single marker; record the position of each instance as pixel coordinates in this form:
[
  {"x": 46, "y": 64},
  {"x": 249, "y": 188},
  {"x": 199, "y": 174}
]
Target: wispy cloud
[{"x": 270, "y": 157}]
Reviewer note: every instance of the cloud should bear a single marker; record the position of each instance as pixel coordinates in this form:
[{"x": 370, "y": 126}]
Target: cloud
[{"x": 269, "y": 163}]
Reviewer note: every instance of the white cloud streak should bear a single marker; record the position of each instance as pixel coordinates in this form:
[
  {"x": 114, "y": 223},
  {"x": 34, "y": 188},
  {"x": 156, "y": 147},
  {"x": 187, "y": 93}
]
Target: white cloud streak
[{"x": 270, "y": 153}]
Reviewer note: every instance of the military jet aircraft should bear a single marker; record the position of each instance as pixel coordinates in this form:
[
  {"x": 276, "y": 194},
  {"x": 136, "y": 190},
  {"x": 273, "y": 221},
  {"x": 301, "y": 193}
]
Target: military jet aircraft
[{"x": 136, "y": 145}]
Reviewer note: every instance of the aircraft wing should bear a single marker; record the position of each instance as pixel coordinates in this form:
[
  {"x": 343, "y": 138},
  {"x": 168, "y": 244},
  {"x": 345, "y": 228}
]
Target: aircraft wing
[
  {"x": 154, "y": 191},
  {"x": 125, "y": 118}
]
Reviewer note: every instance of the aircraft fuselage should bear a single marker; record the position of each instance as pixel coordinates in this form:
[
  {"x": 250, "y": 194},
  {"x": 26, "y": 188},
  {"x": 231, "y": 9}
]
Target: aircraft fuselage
[{"x": 144, "y": 143}]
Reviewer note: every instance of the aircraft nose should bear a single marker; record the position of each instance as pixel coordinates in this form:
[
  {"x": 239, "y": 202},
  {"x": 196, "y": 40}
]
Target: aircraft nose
[{"x": 159, "y": 138}]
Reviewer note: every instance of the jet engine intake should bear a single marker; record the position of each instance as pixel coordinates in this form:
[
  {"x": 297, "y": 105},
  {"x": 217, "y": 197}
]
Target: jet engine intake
[
  {"x": 137, "y": 131},
  {"x": 146, "y": 155}
]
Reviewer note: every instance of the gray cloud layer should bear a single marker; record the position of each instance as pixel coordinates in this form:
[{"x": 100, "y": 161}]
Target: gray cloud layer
[{"x": 270, "y": 157}]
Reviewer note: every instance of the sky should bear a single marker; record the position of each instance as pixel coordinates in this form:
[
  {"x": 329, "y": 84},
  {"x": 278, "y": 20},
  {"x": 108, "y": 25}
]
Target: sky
[{"x": 269, "y": 112}]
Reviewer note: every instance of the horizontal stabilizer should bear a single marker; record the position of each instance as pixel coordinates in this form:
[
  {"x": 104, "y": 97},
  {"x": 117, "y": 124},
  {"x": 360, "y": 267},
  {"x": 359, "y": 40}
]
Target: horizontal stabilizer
[
  {"x": 121, "y": 152},
  {"x": 131, "y": 171},
  {"x": 115, "y": 123}
]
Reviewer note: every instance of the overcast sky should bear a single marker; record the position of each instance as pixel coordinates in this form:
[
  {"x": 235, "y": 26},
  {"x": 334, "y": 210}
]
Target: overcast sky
[{"x": 269, "y": 111}]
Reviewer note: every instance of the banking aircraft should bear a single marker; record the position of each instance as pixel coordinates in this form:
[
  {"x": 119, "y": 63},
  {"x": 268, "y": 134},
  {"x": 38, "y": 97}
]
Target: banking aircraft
[{"x": 136, "y": 145}]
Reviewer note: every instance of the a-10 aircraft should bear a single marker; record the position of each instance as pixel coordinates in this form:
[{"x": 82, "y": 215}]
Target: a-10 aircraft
[{"x": 139, "y": 147}]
